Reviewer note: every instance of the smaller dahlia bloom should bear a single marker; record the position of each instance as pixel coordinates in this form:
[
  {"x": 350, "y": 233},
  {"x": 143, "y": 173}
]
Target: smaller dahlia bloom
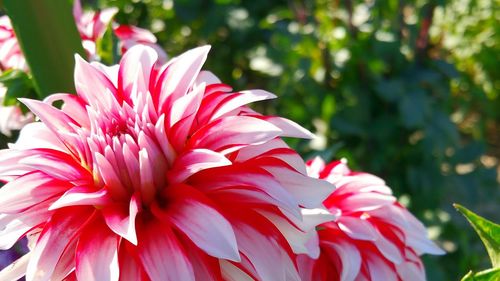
[
  {"x": 373, "y": 237},
  {"x": 92, "y": 26},
  {"x": 157, "y": 172},
  {"x": 11, "y": 117},
  {"x": 11, "y": 55}
]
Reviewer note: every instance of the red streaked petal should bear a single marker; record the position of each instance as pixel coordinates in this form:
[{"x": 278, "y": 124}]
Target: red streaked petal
[
  {"x": 56, "y": 235},
  {"x": 180, "y": 75},
  {"x": 161, "y": 254},
  {"x": 97, "y": 254},
  {"x": 92, "y": 84},
  {"x": 29, "y": 190},
  {"x": 122, "y": 220},
  {"x": 194, "y": 161},
  {"x": 81, "y": 195},
  {"x": 203, "y": 224},
  {"x": 234, "y": 132},
  {"x": 135, "y": 68}
]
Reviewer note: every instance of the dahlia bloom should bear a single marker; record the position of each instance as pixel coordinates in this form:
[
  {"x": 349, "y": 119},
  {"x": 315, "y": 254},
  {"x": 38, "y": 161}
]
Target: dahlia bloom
[
  {"x": 92, "y": 26},
  {"x": 373, "y": 237},
  {"x": 11, "y": 117},
  {"x": 158, "y": 173},
  {"x": 10, "y": 51}
]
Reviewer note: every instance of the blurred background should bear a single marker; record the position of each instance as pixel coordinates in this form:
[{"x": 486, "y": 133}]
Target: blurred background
[{"x": 406, "y": 90}]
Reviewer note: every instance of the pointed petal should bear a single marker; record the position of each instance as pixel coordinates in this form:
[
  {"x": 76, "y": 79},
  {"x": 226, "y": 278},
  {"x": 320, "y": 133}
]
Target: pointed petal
[
  {"x": 236, "y": 100},
  {"x": 97, "y": 254},
  {"x": 57, "y": 233},
  {"x": 232, "y": 133},
  {"x": 110, "y": 178},
  {"x": 122, "y": 221},
  {"x": 29, "y": 190},
  {"x": 211, "y": 232},
  {"x": 194, "y": 161},
  {"x": 357, "y": 228},
  {"x": 15, "y": 226},
  {"x": 81, "y": 195},
  {"x": 162, "y": 255},
  {"x": 39, "y": 131},
  {"x": 289, "y": 128},
  {"x": 56, "y": 120},
  {"x": 92, "y": 84},
  {"x": 350, "y": 259},
  {"x": 308, "y": 191},
  {"x": 135, "y": 68},
  {"x": 180, "y": 75}
]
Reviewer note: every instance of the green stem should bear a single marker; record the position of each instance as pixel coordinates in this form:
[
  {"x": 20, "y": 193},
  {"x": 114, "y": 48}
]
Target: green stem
[{"x": 48, "y": 37}]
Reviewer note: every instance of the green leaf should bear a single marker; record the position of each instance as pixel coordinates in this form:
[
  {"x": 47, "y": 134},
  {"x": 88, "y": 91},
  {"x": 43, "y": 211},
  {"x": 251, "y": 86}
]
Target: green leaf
[
  {"x": 488, "y": 231},
  {"x": 18, "y": 84},
  {"x": 48, "y": 37},
  {"x": 492, "y": 274},
  {"x": 107, "y": 47}
]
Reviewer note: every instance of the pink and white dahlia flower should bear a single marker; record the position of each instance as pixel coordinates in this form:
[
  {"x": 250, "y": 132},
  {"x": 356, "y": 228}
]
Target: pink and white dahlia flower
[
  {"x": 11, "y": 55},
  {"x": 373, "y": 237},
  {"x": 157, "y": 173}
]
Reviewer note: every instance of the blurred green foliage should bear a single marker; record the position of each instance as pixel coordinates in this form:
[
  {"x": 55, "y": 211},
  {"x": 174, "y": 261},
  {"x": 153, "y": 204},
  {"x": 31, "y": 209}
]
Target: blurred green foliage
[{"x": 407, "y": 90}]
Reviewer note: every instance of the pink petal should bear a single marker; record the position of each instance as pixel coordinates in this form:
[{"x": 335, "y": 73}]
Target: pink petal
[
  {"x": 206, "y": 77},
  {"x": 308, "y": 191},
  {"x": 122, "y": 221},
  {"x": 194, "y": 161},
  {"x": 379, "y": 269},
  {"x": 125, "y": 32},
  {"x": 161, "y": 253},
  {"x": 180, "y": 75},
  {"x": 212, "y": 181},
  {"x": 56, "y": 120},
  {"x": 45, "y": 138},
  {"x": 29, "y": 190},
  {"x": 211, "y": 232},
  {"x": 236, "y": 100},
  {"x": 357, "y": 228},
  {"x": 56, "y": 234},
  {"x": 350, "y": 259},
  {"x": 147, "y": 186},
  {"x": 263, "y": 251},
  {"x": 231, "y": 133},
  {"x": 92, "y": 85},
  {"x": 297, "y": 238},
  {"x": 73, "y": 106},
  {"x": 135, "y": 68},
  {"x": 15, "y": 226},
  {"x": 289, "y": 128},
  {"x": 130, "y": 267},
  {"x": 110, "y": 178},
  {"x": 97, "y": 254},
  {"x": 80, "y": 196},
  {"x": 56, "y": 164}
]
